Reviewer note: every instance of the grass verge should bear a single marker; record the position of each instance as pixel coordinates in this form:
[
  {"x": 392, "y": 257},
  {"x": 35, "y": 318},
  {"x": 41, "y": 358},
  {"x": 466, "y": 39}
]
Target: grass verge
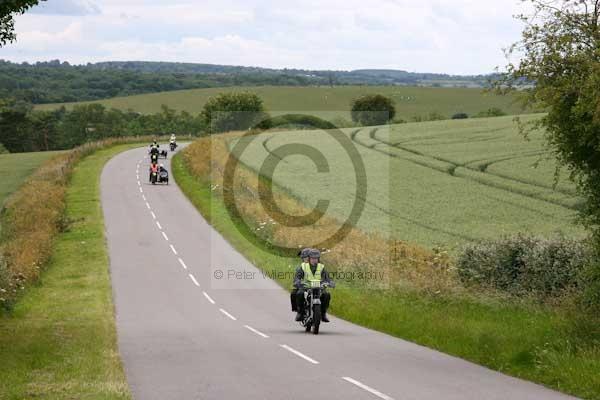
[
  {"x": 59, "y": 342},
  {"x": 520, "y": 339}
]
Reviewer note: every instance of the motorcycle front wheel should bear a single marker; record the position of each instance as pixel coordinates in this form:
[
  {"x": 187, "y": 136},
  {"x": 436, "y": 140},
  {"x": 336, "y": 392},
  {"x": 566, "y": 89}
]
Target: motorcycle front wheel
[{"x": 316, "y": 318}]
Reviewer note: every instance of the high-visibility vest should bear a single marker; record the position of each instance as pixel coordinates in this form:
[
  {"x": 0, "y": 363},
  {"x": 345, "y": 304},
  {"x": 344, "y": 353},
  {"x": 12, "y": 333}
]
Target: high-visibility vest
[{"x": 308, "y": 274}]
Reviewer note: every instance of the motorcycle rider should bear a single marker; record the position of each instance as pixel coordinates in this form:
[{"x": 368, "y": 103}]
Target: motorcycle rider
[
  {"x": 311, "y": 271},
  {"x": 161, "y": 167},
  {"x": 173, "y": 138},
  {"x": 153, "y": 169},
  {"x": 303, "y": 254}
]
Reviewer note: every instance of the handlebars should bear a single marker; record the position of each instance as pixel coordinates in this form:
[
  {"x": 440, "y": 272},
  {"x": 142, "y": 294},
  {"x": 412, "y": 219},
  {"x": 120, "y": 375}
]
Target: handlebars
[{"x": 321, "y": 285}]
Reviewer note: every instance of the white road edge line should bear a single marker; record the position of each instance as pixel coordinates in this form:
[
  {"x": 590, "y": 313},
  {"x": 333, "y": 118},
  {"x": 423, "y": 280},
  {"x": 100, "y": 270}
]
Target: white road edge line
[
  {"x": 208, "y": 297},
  {"x": 173, "y": 249},
  {"x": 153, "y": 215},
  {"x": 367, "y": 388},
  {"x": 158, "y": 224},
  {"x": 296, "y": 352},
  {"x": 227, "y": 314},
  {"x": 165, "y": 236},
  {"x": 194, "y": 280},
  {"x": 259, "y": 333},
  {"x": 182, "y": 263}
]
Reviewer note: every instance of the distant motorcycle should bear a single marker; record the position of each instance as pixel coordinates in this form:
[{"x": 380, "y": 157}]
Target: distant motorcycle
[
  {"x": 163, "y": 153},
  {"x": 160, "y": 176},
  {"x": 154, "y": 158},
  {"x": 153, "y": 177},
  {"x": 173, "y": 146},
  {"x": 312, "y": 306},
  {"x": 163, "y": 176}
]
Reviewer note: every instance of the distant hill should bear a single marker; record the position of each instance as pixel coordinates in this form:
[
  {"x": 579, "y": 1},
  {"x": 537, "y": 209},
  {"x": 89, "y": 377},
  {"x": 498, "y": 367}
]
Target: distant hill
[
  {"x": 339, "y": 77},
  {"x": 59, "y": 82}
]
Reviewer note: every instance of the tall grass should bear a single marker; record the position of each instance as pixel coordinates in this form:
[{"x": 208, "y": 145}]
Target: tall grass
[{"x": 33, "y": 216}]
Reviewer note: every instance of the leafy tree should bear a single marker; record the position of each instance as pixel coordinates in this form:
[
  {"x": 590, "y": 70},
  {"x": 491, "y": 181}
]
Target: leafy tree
[
  {"x": 8, "y": 8},
  {"x": 14, "y": 126},
  {"x": 559, "y": 57},
  {"x": 373, "y": 109},
  {"x": 460, "y": 115},
  {"x": 233, "y": 111}
]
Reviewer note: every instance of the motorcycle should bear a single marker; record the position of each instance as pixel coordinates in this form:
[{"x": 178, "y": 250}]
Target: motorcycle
[
  {"x": 153, "y": 177},
  {"x": 154, "y": 158},
  {"x": 173, "y": 146},
  {"x": 163, "y": 153},
  {"x": 312, "y": 306},
  {"x": 163, "y": 177}
]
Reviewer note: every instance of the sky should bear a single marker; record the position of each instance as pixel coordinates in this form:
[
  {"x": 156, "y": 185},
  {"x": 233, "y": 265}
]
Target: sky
[{"x": 442, "y": 36}]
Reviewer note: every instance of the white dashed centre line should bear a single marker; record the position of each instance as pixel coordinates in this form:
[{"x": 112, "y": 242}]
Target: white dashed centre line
[
  {"x": 165, "y": 236},
  {"x": 228, "y": 315},
  {"x": 153, "y": 215},
  {"x": 173, "y": 249},
  {"x": 259, "y": 333},
  {"x": 367, "y": 388},
  {"x": 144, "y": 197},
  {"x": 141, "y": 191},
  {"x": 296, "y": 352},
  {"x": 139, "y": 184},
  {"x": 182, "y": 263},
  {"x": 158, "y": 224},
  {"x": 208, "y": 297},
  {"x": 194, "y": 280},
  {"x": 148, "y": 205}
]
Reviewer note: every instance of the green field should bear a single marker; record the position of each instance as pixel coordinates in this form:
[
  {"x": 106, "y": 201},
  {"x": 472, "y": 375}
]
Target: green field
[
  {"x": 17, "y": 167},
  {"x": 325, "y": 101},
  {"x": 434, "y": 183}
]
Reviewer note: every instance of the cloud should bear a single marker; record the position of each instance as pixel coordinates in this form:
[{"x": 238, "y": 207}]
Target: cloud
[
  {"x": 66, "y": 7},
  {"x": 452, "y": 36}
]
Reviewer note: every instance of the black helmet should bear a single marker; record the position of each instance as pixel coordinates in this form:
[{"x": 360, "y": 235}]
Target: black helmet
[
  {"x": 314, "y": 253},
  {"x": 304, "y": 252}
]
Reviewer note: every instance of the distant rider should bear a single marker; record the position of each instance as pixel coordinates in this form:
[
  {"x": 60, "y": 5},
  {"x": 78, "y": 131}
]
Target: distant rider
[
  {"x": 153, "y": 168},
  {"x": 310, "y": 271},
  {"x": 303, "y": 254},
  {"x": 173, "y": 138}
]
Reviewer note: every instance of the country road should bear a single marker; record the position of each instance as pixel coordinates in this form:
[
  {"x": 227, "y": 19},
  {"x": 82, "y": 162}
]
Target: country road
[{"x": 182, "y": 336}]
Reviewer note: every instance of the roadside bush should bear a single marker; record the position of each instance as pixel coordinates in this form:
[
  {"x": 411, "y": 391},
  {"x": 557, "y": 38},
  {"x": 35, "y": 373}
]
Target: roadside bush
[
  {"x": 491, "y": 112},
  {"x": 233, "y": 112},
  {"x": 591, "y": 292},
  {"x": 373, "y": 109},
  {"x": 460, "y": 115},
  {"x": 526, "y": 265}
]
